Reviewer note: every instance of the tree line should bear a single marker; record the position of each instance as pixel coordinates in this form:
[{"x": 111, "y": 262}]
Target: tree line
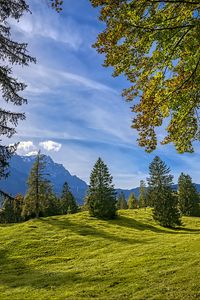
[
  {"x": 40, "y": 199},
  {"x": 168, "y": 205},
  {"x": 101, "y": 200}
]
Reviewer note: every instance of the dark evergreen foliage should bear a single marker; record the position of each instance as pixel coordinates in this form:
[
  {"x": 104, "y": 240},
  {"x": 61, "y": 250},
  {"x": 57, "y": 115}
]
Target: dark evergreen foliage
[
  {"x": 188, "y": 197},
  {"x": 39, "y": 198},
  {"x": 68, "y": 202},
  {"x": 18, "y": 206},
  {"x": 142, "y": 195},
  {"x": 164, "y": 201},
  {"x": 7, "y": 213},
  {"x": 121, "y": 202},
  {"x": 11, "y": 210},
  {"x": 50, "y": 205},
  {"x": 101, "y": 198},
  {"x": 11, "y": 53},
  {"x": 132, "y": 201}
]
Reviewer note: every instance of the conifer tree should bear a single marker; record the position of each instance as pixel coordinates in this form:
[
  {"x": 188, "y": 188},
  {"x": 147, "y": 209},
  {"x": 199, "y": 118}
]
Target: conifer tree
[
  {"x": 68, "y": 202},
  {"x": 35, "y": 202},
  {"x": 11, "y": 209},
  {"x": 121, "y": 202},
  {"x": 17, "y": 206},
  {"x": 11, "y": 53},
  {"x": 8, "y": 215},
  {"x": 132, "y": 201},
  {"x": 142, "y": 196},
  {"x": 188, "y": 197},
  {"x": 164, "y": 201},
  {"x": 50, "y": 206},
  {"x": 101, "y": 198}
]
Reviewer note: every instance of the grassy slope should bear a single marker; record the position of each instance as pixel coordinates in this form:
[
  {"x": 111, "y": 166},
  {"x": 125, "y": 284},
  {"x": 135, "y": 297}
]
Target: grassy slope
[{"x": 78, "y": 257}]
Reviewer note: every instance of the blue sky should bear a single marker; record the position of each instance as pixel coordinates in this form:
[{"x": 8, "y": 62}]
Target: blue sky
[{"x": 75, "y": 112}]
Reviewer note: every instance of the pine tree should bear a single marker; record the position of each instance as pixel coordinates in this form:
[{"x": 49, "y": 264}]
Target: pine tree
[
  {"x": 11, "y": 53},
  {"x": 121, "y": 202},
  {"x": 17, "y": 206},
  {"x": 164, "y": 201},
  {"x": 188, "y": 197},
  {"x": 68, "y": 202},
  {"x": 8, "y": 214},
  {"x": 35, "y": 202},
  {"x": 101, "y": 199},
  {"x": 50, "y": 205},
  {"x": 142, "y": 196},
  {"x": 132, "y": 201},
  {"x": 11, "y": 210}
]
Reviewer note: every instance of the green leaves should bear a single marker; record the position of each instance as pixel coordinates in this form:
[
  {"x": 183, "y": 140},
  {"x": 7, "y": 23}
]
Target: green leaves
[
  {"x": 156, "y": 45},
  {"x": 57, "y": 5}
]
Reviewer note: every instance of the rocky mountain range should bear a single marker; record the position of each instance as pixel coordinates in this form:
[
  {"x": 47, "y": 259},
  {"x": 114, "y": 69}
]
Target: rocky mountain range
[{"x": 20, "y": 167}]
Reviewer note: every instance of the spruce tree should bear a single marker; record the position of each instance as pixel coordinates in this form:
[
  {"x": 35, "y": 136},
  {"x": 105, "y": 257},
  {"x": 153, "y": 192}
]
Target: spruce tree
[
  {"x": 18, "y": 205},
  {"x": 50, "y": 205},
  {"x": 8, "y": 214},
  {"x": 142, "y": 195},
  {"x": 188, "y": 197},
  {"x": 7, "y": 210},
  {"x": 68, "y": 202},
  {"x": 121, "y": 202},
  {"x": 101, "y": 198},
  {"x": 35, "y": 202},
  {"x": 11, "y": 53},
  {"x": 132, "y": 201},
  {"x": 165, "y": 203}
]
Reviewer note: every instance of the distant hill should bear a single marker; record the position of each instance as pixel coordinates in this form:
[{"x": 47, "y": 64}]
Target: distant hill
[
  {"x": 20, "y": 167},
  {"x": 136, "y": 190}
]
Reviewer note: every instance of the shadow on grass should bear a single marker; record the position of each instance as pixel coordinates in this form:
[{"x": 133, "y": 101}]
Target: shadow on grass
[
  {"x": 15, "y": 273},
  {"x": 88, "y": 230},
  {"x": 3, "y": 225},
  {"x": 186, "y": 230},
  {"x": 138, "y": 225},
  {"x": 120, "y": 221}
]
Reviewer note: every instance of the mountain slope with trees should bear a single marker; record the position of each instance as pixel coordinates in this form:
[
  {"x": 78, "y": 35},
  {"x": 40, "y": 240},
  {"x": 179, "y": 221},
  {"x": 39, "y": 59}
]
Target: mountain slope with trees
[{"x": 20, "y": 167}]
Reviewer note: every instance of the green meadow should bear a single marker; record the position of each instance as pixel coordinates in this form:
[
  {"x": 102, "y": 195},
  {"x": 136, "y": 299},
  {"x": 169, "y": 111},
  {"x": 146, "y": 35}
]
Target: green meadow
[{"x": 80, "y": 257}]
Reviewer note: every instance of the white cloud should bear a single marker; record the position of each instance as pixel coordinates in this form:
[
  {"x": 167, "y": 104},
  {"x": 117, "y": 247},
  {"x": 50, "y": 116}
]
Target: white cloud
[
  {"x": 25, "y": 147},
  {"x": 50, "y": 146},
  {"x": 32, "y": 153}
]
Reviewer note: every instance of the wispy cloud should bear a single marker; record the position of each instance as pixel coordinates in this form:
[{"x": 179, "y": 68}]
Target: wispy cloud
[
  {"x": 85, "y": 81},
  {"x": 42, "y": 79},
  {"x": 47, "y": 24}
]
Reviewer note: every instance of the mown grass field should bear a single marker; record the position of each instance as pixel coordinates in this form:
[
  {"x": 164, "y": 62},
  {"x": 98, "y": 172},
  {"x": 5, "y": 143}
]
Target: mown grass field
[{"x": 79, "y": 257}]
